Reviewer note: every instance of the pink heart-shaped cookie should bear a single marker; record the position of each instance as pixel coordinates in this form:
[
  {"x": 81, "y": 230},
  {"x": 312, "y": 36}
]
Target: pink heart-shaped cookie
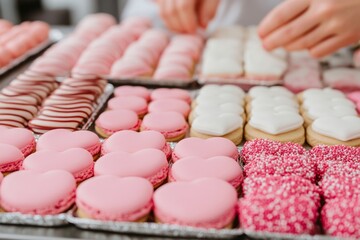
[
  {"x": 10, "y": 158},
  {"x": 206, "y": 203},
  {"x": 191, "y": 168},
  {"x": 131, "y": 141},
  {"x": 148, "y": 163},
  {"x": 76, "y": 161},
  {"x": 103, "y": 198},
  {"x": 30, "y": 192},
  {"x": 166, "y": 93},
  {"x": 62, "y": 139},
  {"x": 21, "y": 138},
  {"x": 205, "y": 148}
]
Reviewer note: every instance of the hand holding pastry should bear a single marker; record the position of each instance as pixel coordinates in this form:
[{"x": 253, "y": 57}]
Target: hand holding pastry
[{"x": 322, "y": 26}]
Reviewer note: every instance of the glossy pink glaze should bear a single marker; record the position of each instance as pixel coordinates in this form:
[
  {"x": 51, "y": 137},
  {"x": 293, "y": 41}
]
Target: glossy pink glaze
[
  {"x": 11, "y": 158},
  {"x": 148, "y": 163},
  {"x": 205, "y": 148},
  {"x": 21, "y": 138},
  {"x": 117, "y": 120},
  {"x": 76, "y": 161},
  {"x": 166, "y": 105},
  {"x": 30, "y": 192},
  {"x": 134, "y": 103},
  {"x": 166, "y": 93},
  {"x": 103, "y": 198},
  {"x": 205, "y": 203},
  {"x": 132, "y": 91}
]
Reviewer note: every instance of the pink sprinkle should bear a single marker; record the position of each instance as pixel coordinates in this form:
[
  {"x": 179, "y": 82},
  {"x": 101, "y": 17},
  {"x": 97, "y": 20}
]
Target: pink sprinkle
[{"x": 340, "y": 186}]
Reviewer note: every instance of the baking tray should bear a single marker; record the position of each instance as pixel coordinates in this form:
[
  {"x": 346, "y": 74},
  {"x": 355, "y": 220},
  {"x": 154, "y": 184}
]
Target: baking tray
[
  {"x": 239, "y": 81},
  {"x": 151, "y": 82},
  {"x": 55, "y": 35},
  {"x": 34, "y": 220}
]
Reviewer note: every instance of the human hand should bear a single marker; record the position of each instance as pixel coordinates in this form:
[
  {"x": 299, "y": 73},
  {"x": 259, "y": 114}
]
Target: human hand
[
  {"x": 186, "y": 16},
  {"x": 321, "y": 26}
]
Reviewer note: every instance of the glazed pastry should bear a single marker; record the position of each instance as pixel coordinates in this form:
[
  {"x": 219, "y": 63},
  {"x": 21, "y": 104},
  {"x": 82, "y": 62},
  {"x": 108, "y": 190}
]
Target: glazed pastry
[
  {"x": 175, "y": 203},
  {"x": 147, "y": 163},
  {"x": 102, "y": 198}
]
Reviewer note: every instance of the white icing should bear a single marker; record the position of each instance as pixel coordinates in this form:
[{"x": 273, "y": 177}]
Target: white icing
[
  {"x": 270, "y": 91},
  {"x": 327, "y": 102},
  {"x": 274, "y": 101},
  {"x": 221, "y": 66},
  {"x": 217, "y": 125},
  {"x": 341, "y": 128},
  {"x": 274, "y": 109},
  {"x": 216, "y": 89},
  {"x": 326, "y": 92},
  {"x": 208, "y": 108},
  {"x": 219, "y": 98},
  {"x": 336, "y": 110},
  {"x": 342, "y": 76},
  {"x": 276, "y": 123},
  {"x": 224, "y": 48}
]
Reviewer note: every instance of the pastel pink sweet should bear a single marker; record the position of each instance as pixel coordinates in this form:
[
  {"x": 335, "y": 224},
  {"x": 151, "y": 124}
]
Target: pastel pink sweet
[
  {"x": 205, "y": 148},
  {"x": 76, "y": 161},
  {"x": 166, "y": 93},
  {"x": 185, "y": 49},
  {"x": 116, "y": 120},
  {"x": 5, "y": 57},
  {"x": 133, "y": 103},
  {"x": 147, "y": 163},
  {"x": 62, "y": 139},
  {"x": 170, "y": 124},
  {"x": 102, "y": 198},
  {"x": 11, "y": 158},
  {"x": 170, "y": 72},
  {"x": 131, "y": 141},
  {"x": 130, "y": 67},
  {"x": 203, "y": 203},
  {"x": 137, "y": 21},
  {"x": 132, "y": 91},
  {"x": 172, "y": 59},
  {"x": 191, "y": 168},
  {"x": 137, "y": 51},
  {"x": 31, "y": 192},
  {"x": 21, "y": 138},
  {"x": 354, "y": 96},
  {"x": 165, "y": 105}
]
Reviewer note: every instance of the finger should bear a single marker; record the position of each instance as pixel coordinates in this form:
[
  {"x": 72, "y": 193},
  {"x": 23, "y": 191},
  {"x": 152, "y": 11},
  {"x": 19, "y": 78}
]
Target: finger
[
  {"x": 282, "y": 14},
  {"x": 312, "y": 38},
  {"x": 186, "y": 15},
  {"x": 168, "y": 14},
  {"x": 207, "y": 11},
  {"x": 332, "y": 44}
]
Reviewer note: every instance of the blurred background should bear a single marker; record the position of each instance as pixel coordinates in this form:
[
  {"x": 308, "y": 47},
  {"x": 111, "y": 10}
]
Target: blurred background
[{"x": 55, "y": 12}]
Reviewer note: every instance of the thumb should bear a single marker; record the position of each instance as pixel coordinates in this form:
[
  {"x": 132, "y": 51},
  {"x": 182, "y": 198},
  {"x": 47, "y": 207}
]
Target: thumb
[{"x": 207, "y": 11}]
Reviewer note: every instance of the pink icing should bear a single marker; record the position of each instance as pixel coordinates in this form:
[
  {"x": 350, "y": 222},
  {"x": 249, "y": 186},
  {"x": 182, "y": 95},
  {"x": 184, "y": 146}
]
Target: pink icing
[
  {"x": 170, "y": 124},
  {"x": 21, "y": 138},
  {"x": 165, "y": 105},
  {"x": 130, "y": 68},
  {"x": 148, "y": 163},
  {"x": 10, "y": 158},
  {"x": 76, "y": 161},
  {"x": 103, "y": 198},
  {"x": 191, "y": 168},
  {"x": 169, "y": 72},
  {"x": 62, "y": 139},
  {"x": 132, "y": 91},
  {"x": 354, "y": 96},
  {"x": 117, "y": 120},
  {"x": 30, "y": 192},
  {"x": 131, "y": 141},
  {"x": 205, "y": 148},
  {"x": 166, "y": 93},
  {"x": 134, "y": 103},
  {"x": 206, "y": 203}
]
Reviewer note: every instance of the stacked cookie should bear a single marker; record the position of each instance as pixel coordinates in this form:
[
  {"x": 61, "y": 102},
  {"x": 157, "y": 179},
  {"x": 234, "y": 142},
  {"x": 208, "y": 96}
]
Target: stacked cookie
[
  {"x": 129, "y": 110},
  {"x": 273, "y": 113},
  {"x": 218, "y": 112},
  {"x": 303, "y": 72},
  {"x": 330, "y": 118},
  {"x": 69, "y": 106},
  {"x": 344, "y": 79},
  {"x": 179, "y": 58},
  {"x": 15, "y": 41},
  {"x": 62, "y": 57},
  {"x": 235, "y": 52},
  {"x": 355, "y": 97},
  {"x": 280, "y": 194},
  {"x": 141, "y": 58},
  {"x": 339, "y": 174}
]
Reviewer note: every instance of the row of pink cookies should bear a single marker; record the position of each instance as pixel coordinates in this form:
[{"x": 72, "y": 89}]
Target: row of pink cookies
[
  {"x": 62, "y": 57},
  {"x": 178, "y": 62},
  {"x": 343, "y": 78},
  {"x": 141, "y": 58},
  {"x": 100, "y": 55},
  {"x": 129, "y": 110},
  {"x": 20, "y": 100},
  {"x": 69, "y": 106},
  {"x": 20, "y": 39},
  {"x": 330, "y": 118}
]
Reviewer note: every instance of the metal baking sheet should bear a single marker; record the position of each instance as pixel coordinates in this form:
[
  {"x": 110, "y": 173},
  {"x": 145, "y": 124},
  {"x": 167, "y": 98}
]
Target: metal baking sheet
[
  {"x": 151, "y": 82},
  {"x": 150, "y": 228},
  {"x": 34, "y": 220},
  {"x": 54, "y": 36},
  {"x": 239, "y": 81},
  {"x": 269, "y": 235}
]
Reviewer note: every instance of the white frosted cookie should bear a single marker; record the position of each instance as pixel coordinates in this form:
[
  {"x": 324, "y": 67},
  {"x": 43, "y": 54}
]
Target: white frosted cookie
[
  {"x": 208, "y": 108},
  {"x": 215, "y": 89},
  {"x": 318, "y": 111},
  {"x": 326, "y": 102},
  {"x": 221, "y": 67},
  {"x": 219, "y": 98},
  {"x": 326, "y": 93},
  {"x": 274, "y": 101},
  {"x": 224, "y": 48},
  {"x": 275, "y": 91}
]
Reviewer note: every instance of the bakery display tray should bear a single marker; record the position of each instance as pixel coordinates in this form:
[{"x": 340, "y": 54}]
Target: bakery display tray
[
  {"x": 34, "y": 220},
  {"x": 151, "y": 82},
  {"x": 54, "y": 36}
]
